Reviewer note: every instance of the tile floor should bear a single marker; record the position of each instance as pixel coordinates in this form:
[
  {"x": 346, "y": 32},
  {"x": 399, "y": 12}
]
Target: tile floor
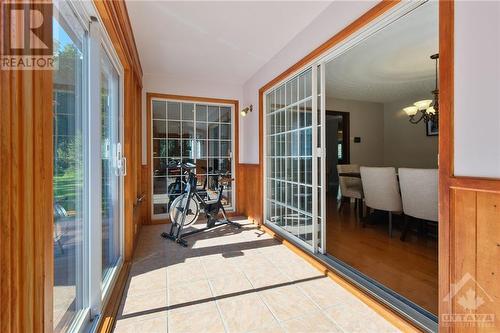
[{"x": 234, "y": 280}]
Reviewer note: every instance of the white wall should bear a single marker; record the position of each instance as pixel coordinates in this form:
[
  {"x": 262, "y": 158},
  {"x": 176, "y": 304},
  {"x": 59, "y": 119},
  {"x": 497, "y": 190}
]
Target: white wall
[
  {"x": 477, "y": 81},
  {"x": 333, "y": 19},
  {"x": 406, "y": 144},
  {"x": 477, "y": 89},
  {"x": 387, "y": 137},
  {"x": 175, "y": 86},
  {"x": 366, "y": 120}
]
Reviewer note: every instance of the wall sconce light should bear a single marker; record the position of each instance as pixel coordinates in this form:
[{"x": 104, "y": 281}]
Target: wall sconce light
[{"x": 246, "y": 110}]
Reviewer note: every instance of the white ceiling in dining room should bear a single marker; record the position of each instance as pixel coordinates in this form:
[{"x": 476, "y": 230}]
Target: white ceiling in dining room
[
  {"x": 394, "y": 64},
  {"x": 223, "y": 42}
]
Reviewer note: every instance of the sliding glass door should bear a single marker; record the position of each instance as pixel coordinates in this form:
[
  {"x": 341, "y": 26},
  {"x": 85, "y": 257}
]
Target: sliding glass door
[
  {"x": 110, "y": 159},
  {"x": 362, "y": 97},
  {"x": 88, "y": 167},
  {"x": 291, "y": 159},
  {"x": 70, "y": 204}
]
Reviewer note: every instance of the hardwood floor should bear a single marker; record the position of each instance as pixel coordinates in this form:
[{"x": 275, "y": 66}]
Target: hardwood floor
[{"x": 410, "y": 268}]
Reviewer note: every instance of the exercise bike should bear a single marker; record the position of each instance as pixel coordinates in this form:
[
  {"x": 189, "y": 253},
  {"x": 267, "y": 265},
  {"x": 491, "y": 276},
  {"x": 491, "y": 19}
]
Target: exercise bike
[{"x": 185, "y": 209}]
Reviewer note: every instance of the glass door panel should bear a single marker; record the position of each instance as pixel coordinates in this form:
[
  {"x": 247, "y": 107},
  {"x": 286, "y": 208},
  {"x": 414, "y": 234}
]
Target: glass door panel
[
  {"x": 110, "y": 152},
  {"x": 70, "y": 241},
  {"x": 290, "y": 181},
  {"x": 190, "y": 132}
]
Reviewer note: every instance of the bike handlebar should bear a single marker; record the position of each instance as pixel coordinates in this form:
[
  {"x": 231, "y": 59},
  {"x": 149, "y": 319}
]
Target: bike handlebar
[{"x": 180, "y": 165}]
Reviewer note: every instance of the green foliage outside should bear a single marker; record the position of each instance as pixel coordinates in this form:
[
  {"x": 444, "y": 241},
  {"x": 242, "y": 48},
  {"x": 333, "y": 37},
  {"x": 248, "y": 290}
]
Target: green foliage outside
[{"x": 67, "y": 141}]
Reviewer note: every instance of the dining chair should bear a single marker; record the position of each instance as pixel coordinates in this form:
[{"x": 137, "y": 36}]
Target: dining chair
[
  {"x": 350, "y": 187},
  {"x": 419, "y": 191},
  {"x": 381, "y": 190}
]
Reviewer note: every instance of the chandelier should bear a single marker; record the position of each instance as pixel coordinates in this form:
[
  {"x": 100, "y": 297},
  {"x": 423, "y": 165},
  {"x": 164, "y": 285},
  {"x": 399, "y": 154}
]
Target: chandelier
[{"x": 428, "y": 108}]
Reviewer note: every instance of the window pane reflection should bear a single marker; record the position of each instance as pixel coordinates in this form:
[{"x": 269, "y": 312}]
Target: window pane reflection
[{"x": 69, "y": 168}]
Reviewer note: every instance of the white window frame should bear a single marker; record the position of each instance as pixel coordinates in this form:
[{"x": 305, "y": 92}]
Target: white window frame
[
  {"x": 98, "y": 291},
  {"x": 233, "y": 147},
  {"x": 399, "y": 10}
]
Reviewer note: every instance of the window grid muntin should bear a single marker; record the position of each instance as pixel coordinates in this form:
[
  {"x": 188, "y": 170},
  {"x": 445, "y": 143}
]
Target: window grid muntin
[
  {"x": 225, "y": 114},
  {"x": 289, "y": 150}
]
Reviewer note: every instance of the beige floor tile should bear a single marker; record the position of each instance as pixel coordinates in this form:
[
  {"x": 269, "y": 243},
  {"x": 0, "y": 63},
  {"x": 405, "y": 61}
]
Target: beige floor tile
[
  {"x": 299, "y": 272},
  {"x": 204, "y": 319},
  {"x": 184, "y": 297},
  {"x": 267, "y": 278},
  {"x": 153, "y": 301},
  {"x": 325, "y": 292},
  {"x": 250, "y": 257},
  {"x": 276, "y": 250},
  {"x": 245, "y": 313},
  {"x": 360, "y": 318},
  {"x": 157, "y": 324},
  {"x": 316, "y": 322},
  {"x": 185, "y": 272},
  {"x": 148, "y": 264},
  {"x": 285, "y": 257},
  {"x": 218, "y": 267},
  {"x": 131, "y": 318},
  {"x": 288, "y": 302},
  {"x": 269, "y": 329},
  {"x": 228, "y": 285},
  {"x": 145, "y": 282}
]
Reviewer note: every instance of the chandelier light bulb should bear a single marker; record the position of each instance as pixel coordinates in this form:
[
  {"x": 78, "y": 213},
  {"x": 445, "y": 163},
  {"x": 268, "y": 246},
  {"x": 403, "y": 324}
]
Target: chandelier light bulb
[
  {"x": 411, "y": 110},
  {"x": 423, "y": 105}
]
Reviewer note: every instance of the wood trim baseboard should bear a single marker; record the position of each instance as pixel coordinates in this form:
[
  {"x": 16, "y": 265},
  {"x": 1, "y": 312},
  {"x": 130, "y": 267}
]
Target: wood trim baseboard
[
  {"x": 110, "y": 312},
  {"x": 388, "y": 314},
  {"x": 476, "y": 184}
]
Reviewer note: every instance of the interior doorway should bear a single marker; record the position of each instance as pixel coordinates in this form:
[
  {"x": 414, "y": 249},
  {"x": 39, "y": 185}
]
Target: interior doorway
[{"x": 337, "y": 149}]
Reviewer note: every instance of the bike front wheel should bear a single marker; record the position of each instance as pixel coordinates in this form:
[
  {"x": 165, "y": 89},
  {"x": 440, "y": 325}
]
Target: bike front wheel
[{"x": 177, "y": 209}]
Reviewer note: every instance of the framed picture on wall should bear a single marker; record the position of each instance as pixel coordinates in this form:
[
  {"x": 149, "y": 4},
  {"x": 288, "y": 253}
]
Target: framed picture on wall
[{"x": 431, "y": 128}]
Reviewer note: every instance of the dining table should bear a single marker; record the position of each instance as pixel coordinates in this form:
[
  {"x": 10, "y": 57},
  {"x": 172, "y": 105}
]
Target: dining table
[
  {"x": 354, "y": 174},
  {"x": 350, "y": 174}
]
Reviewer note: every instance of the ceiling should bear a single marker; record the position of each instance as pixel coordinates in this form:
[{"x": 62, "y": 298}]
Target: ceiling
[
  {"x": 223, "y": 42},
  {"x": 391, "y": 65}
]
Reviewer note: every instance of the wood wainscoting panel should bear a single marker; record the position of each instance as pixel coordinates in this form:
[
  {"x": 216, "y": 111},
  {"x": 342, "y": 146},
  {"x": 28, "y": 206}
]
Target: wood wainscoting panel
[
  {"x": 488, "y": 253},
  {"x": 249, "y": 192},
  {"x": 463, "y": 243},
  {"x": 474, "y": 262}
]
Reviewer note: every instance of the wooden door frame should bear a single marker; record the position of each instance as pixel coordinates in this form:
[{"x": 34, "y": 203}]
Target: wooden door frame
[
  {"x": 446, "y": 84},
  {"x": 149, "y": 187},
  {"x": 346, "y": 136}
]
